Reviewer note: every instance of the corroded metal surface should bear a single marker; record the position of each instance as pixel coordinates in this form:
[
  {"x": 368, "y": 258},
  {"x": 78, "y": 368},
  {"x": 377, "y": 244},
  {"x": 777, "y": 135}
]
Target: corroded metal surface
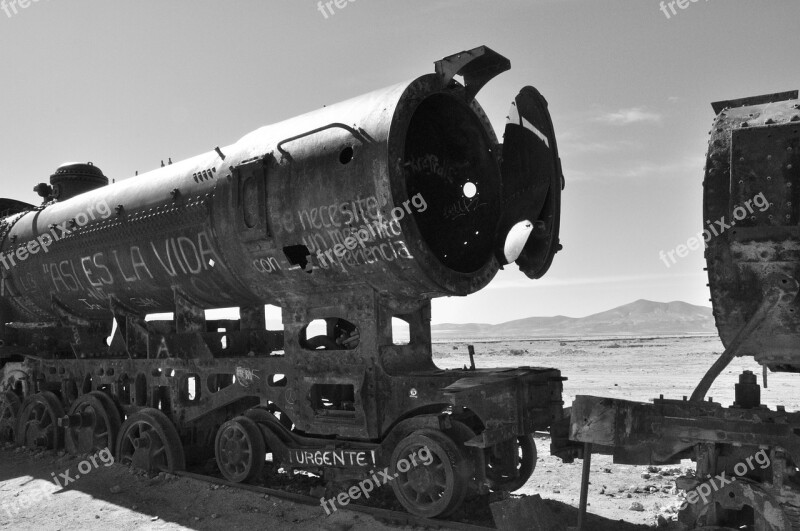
[{"x": 754, "y": 156}]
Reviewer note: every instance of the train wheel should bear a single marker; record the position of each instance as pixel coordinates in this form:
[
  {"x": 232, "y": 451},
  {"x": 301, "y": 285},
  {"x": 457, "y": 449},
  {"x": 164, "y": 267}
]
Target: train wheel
[
  {"x": 509, "y": 467},
  {"x": 240, "y": 450},
  {"x": 94, "y": 424},
  {"x": 148, "y": 441},
  {"x": 430, "y": 490},
  {"x": 37, "y": 425},
  {"x": 10, "y": 405}
]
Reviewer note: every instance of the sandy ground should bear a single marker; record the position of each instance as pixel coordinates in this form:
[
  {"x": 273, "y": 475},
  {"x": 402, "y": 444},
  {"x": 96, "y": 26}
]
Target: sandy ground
[{"x": 621, "y": 497}]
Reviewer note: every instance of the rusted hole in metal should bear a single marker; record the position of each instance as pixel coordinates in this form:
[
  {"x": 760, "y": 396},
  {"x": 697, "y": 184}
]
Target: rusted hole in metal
[
  {"x": 124, "y": 394},
  {"x": 190, "y": 391},
  {"x": 277, "y": 380},
  {"x": 346, "y": 155},
  {"x": 401, "y": 331},
  {"x": 162, "y": 400},
  {"x": 140, "y": 388},
  {"x": 217, "y": 382},
  {"x": 470, "y": 190},
  {"x": 330, "y": 333},
  {"x": 298, "y": 256},
  {"x": 333, "y": 397},
  {"x": 87, "y": 384}
]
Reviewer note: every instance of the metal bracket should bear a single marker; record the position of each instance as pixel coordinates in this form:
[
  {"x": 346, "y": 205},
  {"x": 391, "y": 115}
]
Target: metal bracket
[
  {"x": 478, "y": 66},
  {"x": 720, "y": 106}
]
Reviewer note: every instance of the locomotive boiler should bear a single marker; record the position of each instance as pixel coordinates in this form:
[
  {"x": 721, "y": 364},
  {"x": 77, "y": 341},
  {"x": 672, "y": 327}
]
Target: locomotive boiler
[
  {"x": 747, "y": 454},
  {"x": 348, "y": 218}
]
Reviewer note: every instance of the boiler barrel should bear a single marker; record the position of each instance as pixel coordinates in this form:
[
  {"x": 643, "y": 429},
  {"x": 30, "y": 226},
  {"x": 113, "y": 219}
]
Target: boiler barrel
[{"x": 399, "y": 188}]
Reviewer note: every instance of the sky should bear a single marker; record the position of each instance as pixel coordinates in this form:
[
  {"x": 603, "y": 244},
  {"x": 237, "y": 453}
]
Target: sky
[{"x": 128, "y": 84}]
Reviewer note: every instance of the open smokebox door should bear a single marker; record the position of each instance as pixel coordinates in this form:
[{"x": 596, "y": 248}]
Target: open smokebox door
[{"x": 532, "y": 182}]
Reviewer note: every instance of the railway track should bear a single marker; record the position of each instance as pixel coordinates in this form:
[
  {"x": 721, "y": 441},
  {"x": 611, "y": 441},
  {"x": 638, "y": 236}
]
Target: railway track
[{"x": 384, "y": 515}]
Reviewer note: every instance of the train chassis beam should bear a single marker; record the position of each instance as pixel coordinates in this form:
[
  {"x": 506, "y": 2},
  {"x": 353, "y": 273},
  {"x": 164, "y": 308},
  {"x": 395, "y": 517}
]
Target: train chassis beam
[{"x": 747, "y": 455}]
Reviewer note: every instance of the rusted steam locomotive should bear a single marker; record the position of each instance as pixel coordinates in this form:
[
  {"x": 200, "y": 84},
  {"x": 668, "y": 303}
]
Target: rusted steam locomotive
[
  {"x": 352, "y": 216},
  {"x": 747, "y": 454}
]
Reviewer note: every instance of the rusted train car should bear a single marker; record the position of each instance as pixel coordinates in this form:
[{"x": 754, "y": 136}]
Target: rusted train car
[
  {"x": 747, "y": 454},
  {"x": 352, "y": 216}
]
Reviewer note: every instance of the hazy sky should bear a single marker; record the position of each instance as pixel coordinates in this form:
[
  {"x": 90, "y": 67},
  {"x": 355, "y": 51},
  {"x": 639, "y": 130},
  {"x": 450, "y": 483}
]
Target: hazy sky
[{"x": 127, "y": 84}]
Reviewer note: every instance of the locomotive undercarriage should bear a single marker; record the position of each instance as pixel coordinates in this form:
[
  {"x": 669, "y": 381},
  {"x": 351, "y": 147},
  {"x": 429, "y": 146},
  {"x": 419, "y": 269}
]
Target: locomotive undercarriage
[
  {"x": 747, "y": 455},
  {"x": 163, "y": 396}
]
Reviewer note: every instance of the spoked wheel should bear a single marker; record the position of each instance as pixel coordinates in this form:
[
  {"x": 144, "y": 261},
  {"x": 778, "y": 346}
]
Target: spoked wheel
[
  {"x": 94, "y": 423},
  {"x": 430, "y": 490},
  {"x": 510, "y": 465},
  {"x": 10, "y": 405},
  {"x": 37, "y": 425},
  {"x": 148, "y": 441},
  {"x": 240, "y": 450}
]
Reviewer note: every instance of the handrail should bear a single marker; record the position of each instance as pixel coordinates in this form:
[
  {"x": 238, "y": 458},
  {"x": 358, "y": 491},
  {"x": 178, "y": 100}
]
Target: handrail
[{"x": 353, "y": 131}]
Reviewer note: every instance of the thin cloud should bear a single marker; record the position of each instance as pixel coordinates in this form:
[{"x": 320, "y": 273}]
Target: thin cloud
[{"x": 634, "y": 115}]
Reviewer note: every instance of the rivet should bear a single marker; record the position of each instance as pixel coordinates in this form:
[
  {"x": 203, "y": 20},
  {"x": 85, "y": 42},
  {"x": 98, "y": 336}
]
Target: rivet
[
  {"x": 769, "y": 121},
  {"x": 745, "y": 124}
]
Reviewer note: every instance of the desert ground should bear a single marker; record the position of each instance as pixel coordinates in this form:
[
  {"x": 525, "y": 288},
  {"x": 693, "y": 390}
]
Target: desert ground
[{"x": 621, "y": 497}]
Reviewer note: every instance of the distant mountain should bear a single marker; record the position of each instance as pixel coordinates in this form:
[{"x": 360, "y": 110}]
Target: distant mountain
[{"x": 640, "y": 318}]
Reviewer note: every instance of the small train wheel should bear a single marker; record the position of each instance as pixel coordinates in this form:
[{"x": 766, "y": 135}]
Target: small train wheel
[
  {"x": 240, "y": 450},
  {"x": 94, "y": 424},
  {"x": 500, "y": 468},
  {"x": 436, "y": 489},
  {"x": 10, "y": 405},
  {"x": 148, "y": 441},
  {"x": 37, "y": 425}
]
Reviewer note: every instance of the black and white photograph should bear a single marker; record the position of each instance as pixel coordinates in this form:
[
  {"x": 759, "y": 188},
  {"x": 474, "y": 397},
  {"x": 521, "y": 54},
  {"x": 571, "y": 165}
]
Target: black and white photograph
[{"x": 356, "y": 265}]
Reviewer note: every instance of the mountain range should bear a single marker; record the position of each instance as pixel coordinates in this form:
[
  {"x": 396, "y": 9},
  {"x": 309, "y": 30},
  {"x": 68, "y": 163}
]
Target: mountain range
[{"x": 640, "y": 318}]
